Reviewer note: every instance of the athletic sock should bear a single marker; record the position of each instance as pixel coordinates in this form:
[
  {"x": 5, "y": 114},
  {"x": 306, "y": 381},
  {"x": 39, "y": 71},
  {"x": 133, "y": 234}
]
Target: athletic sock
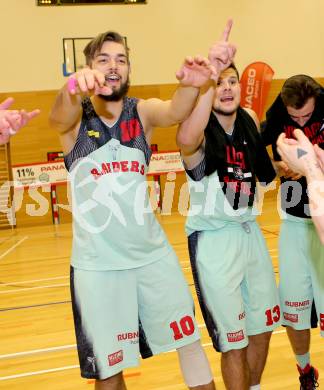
[
  {"x": 303, "y": 360},
  {"x": 255, "y": 387}
]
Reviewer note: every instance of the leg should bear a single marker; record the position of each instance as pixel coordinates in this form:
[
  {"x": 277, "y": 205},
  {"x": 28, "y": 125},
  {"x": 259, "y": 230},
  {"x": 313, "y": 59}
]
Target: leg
[
  {"x": 235, "y": 369},
  {"x": 257, "y": 353},
  {"x": 168, "y": 320},
  {"x": 209, "y": 386},
  {"x": 101, "y": 353},
  {"x": 299, "y": 340},
  {"x": 218, "y": 277},
  {"x": 115, "y": 382},
  {"x": 262, "y": 306},
  {"x": 296, "y": 289},
  {"x": 300, "y": 343},
  {"x": 195, "y": 367}
]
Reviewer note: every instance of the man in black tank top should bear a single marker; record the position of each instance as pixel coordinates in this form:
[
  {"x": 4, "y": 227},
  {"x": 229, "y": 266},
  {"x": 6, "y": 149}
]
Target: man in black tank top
[
  {"x": 234, "y": 279},
  {"x": 300, "y": 105},
  {"x": 137, "y": 274}
]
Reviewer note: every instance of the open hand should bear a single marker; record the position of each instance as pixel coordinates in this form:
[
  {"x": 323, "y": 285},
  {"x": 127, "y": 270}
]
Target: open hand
[{"x": 195, "y": 72}]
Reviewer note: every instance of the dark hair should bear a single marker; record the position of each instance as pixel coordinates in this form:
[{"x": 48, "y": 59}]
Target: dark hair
[
  {"x": 298, "y": 89},
  {"x": 232, "y": 66},
  {"x": 96, "y": 44}
]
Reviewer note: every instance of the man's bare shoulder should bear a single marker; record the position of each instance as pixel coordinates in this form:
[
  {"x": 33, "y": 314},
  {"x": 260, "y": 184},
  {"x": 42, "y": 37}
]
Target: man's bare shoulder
[{"x": 253, "y": 115}]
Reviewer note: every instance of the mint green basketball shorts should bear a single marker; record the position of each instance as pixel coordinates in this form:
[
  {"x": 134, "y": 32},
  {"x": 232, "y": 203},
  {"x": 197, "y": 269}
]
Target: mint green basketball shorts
[
  {"x": 301, "y": 267},
  {"x": 235, "y": 284},
  {"x": 120, "y": 314}
]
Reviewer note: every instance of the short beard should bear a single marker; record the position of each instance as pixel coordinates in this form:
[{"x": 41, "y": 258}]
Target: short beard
[
  {"x": 117, "y": 94},
  {"x": 224, "y": 113}
]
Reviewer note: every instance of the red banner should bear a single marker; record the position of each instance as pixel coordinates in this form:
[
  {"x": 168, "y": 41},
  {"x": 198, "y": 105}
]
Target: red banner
[{"x": 255, "y": 84}]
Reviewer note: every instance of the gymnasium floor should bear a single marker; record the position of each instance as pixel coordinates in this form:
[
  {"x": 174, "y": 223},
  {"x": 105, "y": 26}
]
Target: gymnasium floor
[{"x": 37, "y": 348}]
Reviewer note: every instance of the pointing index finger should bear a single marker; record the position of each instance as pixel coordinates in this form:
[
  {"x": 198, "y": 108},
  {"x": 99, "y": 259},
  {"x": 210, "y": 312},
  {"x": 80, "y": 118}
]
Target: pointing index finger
[
  {"x": 6, "y": 103},
  {"x": 227, "y": 30}
]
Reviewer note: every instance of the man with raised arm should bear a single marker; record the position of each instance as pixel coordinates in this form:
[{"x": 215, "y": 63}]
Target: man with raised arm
[
  {"x": 128, "y": 291},
  {"x": 223, "y": 155},
  {"x": 12, "y": 121},
  {"x": 300, "y": 105},
  {"x": 303, "y": 157}
]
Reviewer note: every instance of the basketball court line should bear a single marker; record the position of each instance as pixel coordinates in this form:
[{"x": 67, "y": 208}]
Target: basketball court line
[
  {"x": 72, "y": 346},
  {"x": 31, "y": 373},
  {"x": 13, "y": 247},
  {"x": 33, "y": 306},
  {"x": 35, "y": 288},
  {"x": 64, "y": 347},
  {"x": 35, "y": 351},
  {"x": 24, "y": 374},
  {"x": 33, "y": 281},
  {"x": 5, "y": 239}
]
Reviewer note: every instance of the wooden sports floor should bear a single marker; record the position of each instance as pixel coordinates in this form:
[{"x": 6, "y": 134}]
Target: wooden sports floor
[{"x": 37, "y": 344}]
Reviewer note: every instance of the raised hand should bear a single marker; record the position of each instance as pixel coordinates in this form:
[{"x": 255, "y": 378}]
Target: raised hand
[
  {"x": 12, "y": 120},
  {"x": 283, "y": 170},
  {"x": 195, "y": 71},
  {"x": 295, "y": 152},
  {"x": 222, "y": 53},
  {"x": 88, "y": 82}
]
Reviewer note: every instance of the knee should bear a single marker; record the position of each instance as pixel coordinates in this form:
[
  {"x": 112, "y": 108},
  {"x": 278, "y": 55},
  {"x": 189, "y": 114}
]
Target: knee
[
  {"x": 235, "y": 354},
  {"x": 260, "y": 339},
  {"x": 194, "y": 365}
]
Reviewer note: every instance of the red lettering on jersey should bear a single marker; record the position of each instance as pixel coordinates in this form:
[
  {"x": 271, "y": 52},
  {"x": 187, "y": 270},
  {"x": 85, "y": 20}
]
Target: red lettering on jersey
[
  {"x": 234, "y": 157},
  {"x": 127, "y": 336},
  {"x": 118, "y": 166},
  {"x": 298, "y": 304},
  {"x": 241, "y": 316},
  {"x": 105, "y": 168},
  {"x": 290, "y": 317},
  {"x": 322, "y": 321},
  {"x": 95, "y": 173},
  {"x": 130, "y": 129},
  {"x": 135, "y": 166},
  {"x": 187, "y": 327},
  {"x": 115, "y": 358},
  {"x": 115, "y": 166},
  {"x": 246, "y": 188},
  {"x": 124, "y": 166},
  {"x": 235, "y": 336},
  {"x": 273, "y": 315},
  {"x": 237, "y": 186},
  {"x": 289, "y": 131},
  {"x": 310, "y": 132}
]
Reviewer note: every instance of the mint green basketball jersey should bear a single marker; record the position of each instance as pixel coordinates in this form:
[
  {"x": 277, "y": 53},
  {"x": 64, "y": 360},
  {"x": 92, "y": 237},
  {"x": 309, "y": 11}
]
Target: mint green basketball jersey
[
  {"x": 209, "y": 208},
  {"x": 114, "y": 226}
]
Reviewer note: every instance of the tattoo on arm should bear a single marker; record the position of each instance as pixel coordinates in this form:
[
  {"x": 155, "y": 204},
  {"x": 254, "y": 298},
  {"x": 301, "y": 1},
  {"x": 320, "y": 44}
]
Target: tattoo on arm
[
  {"x": 313, "y": 168},
  {"x": 301, "y": 153}
]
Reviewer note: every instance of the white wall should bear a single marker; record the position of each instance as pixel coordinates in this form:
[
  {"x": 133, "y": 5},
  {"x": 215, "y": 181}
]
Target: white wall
[{"x": 287, "y": 34}]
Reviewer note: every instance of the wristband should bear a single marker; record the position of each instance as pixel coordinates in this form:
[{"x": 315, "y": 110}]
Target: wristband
[{"x": 72, "y": 84}]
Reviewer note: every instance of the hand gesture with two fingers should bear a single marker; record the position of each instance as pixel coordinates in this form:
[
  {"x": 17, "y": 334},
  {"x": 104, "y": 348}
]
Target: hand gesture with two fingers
[{"x": 12, "y": 120}]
